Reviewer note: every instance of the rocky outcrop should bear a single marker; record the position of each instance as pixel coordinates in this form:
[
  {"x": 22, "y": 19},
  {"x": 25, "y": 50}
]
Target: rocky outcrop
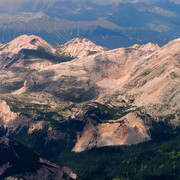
[
  {"x": 80, "y": 47},
  {"x": 15, "y": 121},
  {"x": 25, "y": 42},
  {"x": 102, "y": 71},
  {"x": 127, "y": 130},
  {"x": 13, "y": 54},
  {"x": 19, "y": 162},
  {"x": 11, "y": 120},
  {"x": 156, "y": 86},
  {"x": 30, "y": 53},
  {"x": 145, "y": 77}
]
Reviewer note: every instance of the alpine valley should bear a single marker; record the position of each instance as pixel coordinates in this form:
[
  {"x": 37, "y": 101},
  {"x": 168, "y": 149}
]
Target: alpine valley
[{"x": 108, "y": 114}]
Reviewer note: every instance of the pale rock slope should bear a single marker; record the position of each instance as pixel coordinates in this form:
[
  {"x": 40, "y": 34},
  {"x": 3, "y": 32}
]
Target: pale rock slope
[
  {"x": 157, "y": 86},
  {"x": 148, "y": 47},
  {"x": 114, "y": 94},
  {"x": 80, "y": 47},
  {"x": 102, "y": 71},
  {"x": 33, "y": 53},
  {"x": 6, "y": 116},
  {"x": 25, "y": 42},
  {"x": 127, "y": 130},
  {"x": 16, "y": 121},
  {"x": 13, "y": 53}
]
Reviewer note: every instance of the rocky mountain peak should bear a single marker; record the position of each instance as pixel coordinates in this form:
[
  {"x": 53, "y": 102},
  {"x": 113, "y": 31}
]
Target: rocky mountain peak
[
  {"x": 16, "y": 45},
  {"x": 27, "y": 38},
  {"x": 150, "y": 46},
  {"x": 80, "y": 47},
  {"x": 79, "y": 40},
  {"x": 147, "y": 47},
  {"x": 25, "y": 42},
  {"x": 143, "y": 76},
  {"x": 176, "y": 40},
  {"x": 24, "y": 45},
  {"x": 172, "y": 48},
  {"x": 173, "y": 42}
]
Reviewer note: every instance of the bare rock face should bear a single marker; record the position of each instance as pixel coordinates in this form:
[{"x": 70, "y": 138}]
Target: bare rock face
[
  {"x": 145, "y": 77},
  {"x": 156, "y": 87},
  {"x": 25, "y": 42},
  {"x": 151, "y": 47},
  {"x": 11, "y": 120},
  {"x": 29, "y": 52},
  {"x": 125, "y": 131},
  {"x": 14, "y": 121},
  {"x": 32, "y": 52},
  {"x": 19, "y": 162},
  {"x": 80, "y": 47},
  {"x": 6, "y": 115},
  {"x": 102, "y": 71}
]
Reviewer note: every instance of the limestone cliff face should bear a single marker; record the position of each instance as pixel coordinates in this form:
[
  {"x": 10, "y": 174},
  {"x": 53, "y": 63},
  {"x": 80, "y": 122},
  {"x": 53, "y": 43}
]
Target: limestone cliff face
[
  {"x": 6, "y": 115},
  {"x": 11, "y": 54},
  {"x": 145, "y": 77},
  {"x": 80, "y": 47},
  {"x": 9, "y": 119},
  {"x": 32, "y": 52},
  {"x": 157, "y": 86},
  {"x": 15, "y": 121},
  {"x": 103, "y": 71},
  {"x": 125, "y": 131},
  {"x": 25, "y": 42}
]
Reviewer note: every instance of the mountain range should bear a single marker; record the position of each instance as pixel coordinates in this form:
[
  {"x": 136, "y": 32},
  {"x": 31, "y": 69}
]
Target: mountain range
[
  {"x": 112, "y": 24},
  {"x": 78, "y": 96}
]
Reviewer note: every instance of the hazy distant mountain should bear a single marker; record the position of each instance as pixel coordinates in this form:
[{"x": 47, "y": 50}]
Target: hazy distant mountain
[
  {"x": 134, "y": 1},
  {"x": 109, "y": 24}
]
